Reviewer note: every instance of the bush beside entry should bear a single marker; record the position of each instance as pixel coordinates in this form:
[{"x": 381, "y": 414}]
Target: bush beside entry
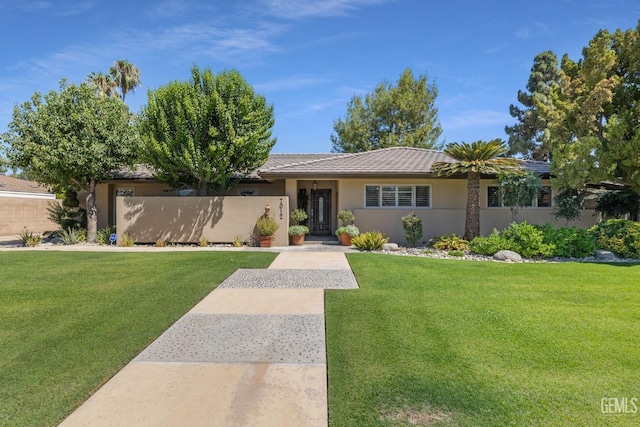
[
  {"x": 298, "y": 231},
  {"x": 267, "y": 227}
]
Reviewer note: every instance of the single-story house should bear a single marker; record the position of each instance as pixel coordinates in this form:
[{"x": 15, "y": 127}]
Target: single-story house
[
  {"x": 23, "y": 204},
  {"x": 379, "y": 186}
]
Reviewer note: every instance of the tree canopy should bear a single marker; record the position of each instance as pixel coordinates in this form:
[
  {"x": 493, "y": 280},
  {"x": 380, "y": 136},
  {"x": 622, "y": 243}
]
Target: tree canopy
[
  {"x": 528, "y": 137},
  {"x": 400, "y": 115},
  {"x": 593, "y": 117},
  {"x": 474, "y": 160},
  {"x": 206, "y": 133},
  {"x": 126, "y": 76},
  {"x": 72, "y": 139}
]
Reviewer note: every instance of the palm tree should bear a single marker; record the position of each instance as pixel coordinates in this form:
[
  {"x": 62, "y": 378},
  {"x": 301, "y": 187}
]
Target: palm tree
[
  {"x": 126, "y": 75},
  {"x": 473, "y": 160},
  {"x": 103, "y": 84}
]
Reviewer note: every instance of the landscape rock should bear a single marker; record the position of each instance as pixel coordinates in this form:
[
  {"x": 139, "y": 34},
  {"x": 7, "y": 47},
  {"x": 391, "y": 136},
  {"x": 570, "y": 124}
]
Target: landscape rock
[
  {"x": 390, "y": 247},
  {"x": 604, "y": 255},
  {"x": 510, "y": 256}
]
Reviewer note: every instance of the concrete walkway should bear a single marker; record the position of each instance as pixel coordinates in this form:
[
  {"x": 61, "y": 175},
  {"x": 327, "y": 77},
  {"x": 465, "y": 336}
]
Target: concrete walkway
[{"x": 252, "y": 353}]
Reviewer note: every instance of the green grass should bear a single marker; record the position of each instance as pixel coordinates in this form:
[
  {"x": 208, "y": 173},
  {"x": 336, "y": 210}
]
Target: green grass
[
  {"x": 69, "y": 321},
  {"x": 482, "y": 344}
]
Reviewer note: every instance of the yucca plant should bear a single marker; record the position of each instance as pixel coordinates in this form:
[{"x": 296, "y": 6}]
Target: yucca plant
[
  {"x": 72, "y": 236},
  {"x": 27, "y": 238},
  {"x": 204, "y": 242},
  {"x": 371, "y": 241},
  {"x": 161, "y": 243}
]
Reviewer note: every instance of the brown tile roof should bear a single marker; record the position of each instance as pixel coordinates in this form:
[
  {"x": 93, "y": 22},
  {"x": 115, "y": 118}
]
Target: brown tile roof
[
  {"x": 387, "y": 161},
  {"x": 9, "y": 183}
]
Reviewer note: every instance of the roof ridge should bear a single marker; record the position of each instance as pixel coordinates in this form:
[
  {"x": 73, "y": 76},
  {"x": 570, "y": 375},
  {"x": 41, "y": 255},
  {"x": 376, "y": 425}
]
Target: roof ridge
[{"x": 307, "y": 162}]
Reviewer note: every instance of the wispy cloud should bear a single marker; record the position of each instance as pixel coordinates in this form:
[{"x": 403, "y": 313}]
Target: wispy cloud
[
  {"x": 475, "y": 118},
  {"x": 75, "y": 8},
  {"x": 538, "y": 29},
  {"x": 293, "y": 9}
]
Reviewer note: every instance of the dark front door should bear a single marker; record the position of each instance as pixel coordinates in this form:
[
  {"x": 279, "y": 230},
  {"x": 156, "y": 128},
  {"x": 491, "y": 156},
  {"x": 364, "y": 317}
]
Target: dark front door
[{"x": 320, "y": 212}]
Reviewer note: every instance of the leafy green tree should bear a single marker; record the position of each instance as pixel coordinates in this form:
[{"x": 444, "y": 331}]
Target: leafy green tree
[
  {"x": 528, "y": 137},
  {"x": 518, "y": 190},
  {"x": 593, "y": 118},
  {"x": 126, "y": 76},
  {"x": 72, "y": 139},
  {"x": 621, "y": 204},
  {"x": 206, "y": 133},
  {"x": 473, "y": 160},
  {"x": 568, "y": 204},
  {"x": 401, "y": 115}
]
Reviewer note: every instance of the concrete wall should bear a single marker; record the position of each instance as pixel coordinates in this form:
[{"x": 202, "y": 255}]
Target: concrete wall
[
  {"x": 447, "y": 212},
  {"x": 186, "y": 219},
  {"x": 18, "y": 213}
]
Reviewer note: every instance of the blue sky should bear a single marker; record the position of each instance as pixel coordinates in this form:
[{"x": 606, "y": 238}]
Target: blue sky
[{"x": 308, "y": 58}]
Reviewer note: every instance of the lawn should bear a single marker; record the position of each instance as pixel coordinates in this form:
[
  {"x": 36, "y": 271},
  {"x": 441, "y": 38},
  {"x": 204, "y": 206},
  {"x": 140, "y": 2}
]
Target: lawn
[
  {"x": 70, "y": 320},
  {"x": 447, "y": 342}
]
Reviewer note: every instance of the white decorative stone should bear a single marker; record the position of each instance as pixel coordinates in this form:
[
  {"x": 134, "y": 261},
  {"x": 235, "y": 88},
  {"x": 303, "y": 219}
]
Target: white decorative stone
[
  {"x": 505, "y": 255},
  {"x": 390, "y": 247}
]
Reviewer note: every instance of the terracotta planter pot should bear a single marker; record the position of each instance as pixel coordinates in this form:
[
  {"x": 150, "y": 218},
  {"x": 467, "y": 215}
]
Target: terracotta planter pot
[
  {"x": 297, "y": 239},
  {"x": 345, "y": 239},
  {"x": 265, "y": 241}
]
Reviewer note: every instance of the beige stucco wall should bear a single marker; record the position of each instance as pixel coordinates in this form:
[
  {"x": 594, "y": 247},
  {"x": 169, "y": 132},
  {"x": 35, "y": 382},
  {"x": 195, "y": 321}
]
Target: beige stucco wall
[
  {"x": 447, "y": 212},
  {"x": 18, "y": 213},
  {"x": 186, "y": 219},
  {"x": 105, "y": 194}
]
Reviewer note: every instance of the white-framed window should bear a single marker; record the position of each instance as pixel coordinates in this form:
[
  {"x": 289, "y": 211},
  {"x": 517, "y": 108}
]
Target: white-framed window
[
  {"x": 543, "y": 200},
  {"x": 397, "y": 196}
]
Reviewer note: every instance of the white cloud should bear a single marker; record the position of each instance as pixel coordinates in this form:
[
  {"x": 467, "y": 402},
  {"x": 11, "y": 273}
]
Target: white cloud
[{"x": 292, "y": 9}]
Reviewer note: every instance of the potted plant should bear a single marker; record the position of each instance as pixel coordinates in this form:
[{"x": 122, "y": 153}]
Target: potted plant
[
  {"x": 347, "y": 230},
  {"x": 267, "y": 227},
  {"x": 298, "y": 231},
  {"x": 345, "y": 233}
]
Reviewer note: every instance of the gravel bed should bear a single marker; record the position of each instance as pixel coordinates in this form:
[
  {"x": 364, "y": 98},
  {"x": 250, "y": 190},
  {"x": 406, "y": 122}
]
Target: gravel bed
[
  {"x": 427, "y": 252},
  {"x": 284, "y": 278}
]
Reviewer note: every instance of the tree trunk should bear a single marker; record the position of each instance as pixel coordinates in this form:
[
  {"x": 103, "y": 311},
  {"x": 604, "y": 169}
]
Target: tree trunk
[
  {"x": 472, "y": 220},
  {"x": 92, "y": 212}
]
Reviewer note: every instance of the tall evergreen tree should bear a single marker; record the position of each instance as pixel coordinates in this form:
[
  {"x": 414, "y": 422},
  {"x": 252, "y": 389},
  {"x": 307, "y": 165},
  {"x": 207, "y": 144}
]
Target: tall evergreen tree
[
  {"x": 528, "y": 137},
  {"x": 400, "y": 115}
]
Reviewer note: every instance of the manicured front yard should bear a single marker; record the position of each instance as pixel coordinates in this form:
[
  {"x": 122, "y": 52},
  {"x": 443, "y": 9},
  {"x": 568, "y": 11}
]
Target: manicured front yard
[
  {"x": 439, "y": 342},
  {"x": 70, "y": 320}
]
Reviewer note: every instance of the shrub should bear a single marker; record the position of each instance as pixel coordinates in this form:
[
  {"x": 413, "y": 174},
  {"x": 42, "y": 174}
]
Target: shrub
[
  {"x": 346, "y": 217},
  {"x": 204, "y": 242},
  {"x": 296, "y": 230},
  {"x": 161, "y": 243},
  {"x": 27, "y": 238},
  {"x": 568, "y": 241},
  {"x": 73, "y": 236},
  {"x": 102, "y": 236},
  {"x": 371, "y": 241},
  {"x": 456, "y": 253},
  {"x": 267, "y": 225},
  {"x": 351, "y": 230},
  {"x": 298, "y": 215},
  {"x": 412, "y": 225},
  {"x": 490, "y": 244},
  {"x": 620, "y": 236},
  {"x": 527, "y": 240},
  {"x": 449, "y": 243},
  {"x": 237, "y": 241},
  {"x": 127, "y": 240}
]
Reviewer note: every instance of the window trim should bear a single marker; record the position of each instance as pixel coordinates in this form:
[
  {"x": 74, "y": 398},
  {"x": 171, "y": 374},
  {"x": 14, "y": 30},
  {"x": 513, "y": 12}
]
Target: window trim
[
  {"x": 396, "y": 206},
  {"x": 534, "y": 203}
]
